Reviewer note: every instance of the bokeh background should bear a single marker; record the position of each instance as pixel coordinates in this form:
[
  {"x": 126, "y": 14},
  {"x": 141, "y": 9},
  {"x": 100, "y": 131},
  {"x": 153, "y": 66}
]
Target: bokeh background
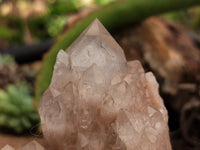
[{"x": 164, "y": 35}]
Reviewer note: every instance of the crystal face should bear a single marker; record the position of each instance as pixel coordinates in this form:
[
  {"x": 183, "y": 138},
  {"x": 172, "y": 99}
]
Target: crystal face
[
  {"x": 99, "y": 101},
  {"x": 7, "y": 147},
  {"x": 33, "y": 145}
]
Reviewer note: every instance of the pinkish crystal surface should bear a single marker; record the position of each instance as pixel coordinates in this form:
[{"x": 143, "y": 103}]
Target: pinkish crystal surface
[{"x": 99, "y": 101}]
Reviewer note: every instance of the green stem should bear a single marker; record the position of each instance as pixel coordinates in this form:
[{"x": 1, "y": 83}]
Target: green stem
[{"x": 113, "y": 16}]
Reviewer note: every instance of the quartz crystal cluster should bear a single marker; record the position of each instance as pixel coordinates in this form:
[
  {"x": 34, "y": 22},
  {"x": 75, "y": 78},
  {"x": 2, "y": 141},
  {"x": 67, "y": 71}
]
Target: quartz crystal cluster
[{"x": 99, "y": 101}]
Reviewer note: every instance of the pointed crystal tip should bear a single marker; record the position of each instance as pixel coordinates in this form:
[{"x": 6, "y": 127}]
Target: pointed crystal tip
[
  {"x": 96, "y": 28},
  {"x": 7, "y": 147},
  {"x": 95, "y": 46}
]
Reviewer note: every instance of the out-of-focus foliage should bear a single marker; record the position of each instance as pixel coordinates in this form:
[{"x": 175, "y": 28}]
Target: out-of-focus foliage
[
  {"x": 8, "y": 70},
  {"x": 58, "y": 11},
  {"x": 16, "y": 108},
  {"x": 6, "y": 59},
  {"x": 37, "y": 26},
  {"x": 48, "y": 20},
  {"x": 63, "y": 6},
  {"x": 16, "y": 102},
  {"x": 189, "y": 18},
  {"x": 5, "y": 32},
  {"x": 56, "y": 24},
  {"x": 11, "y": 30},
  {"x": 103, "y": 2},
  {"x": 41, "y": 20}
]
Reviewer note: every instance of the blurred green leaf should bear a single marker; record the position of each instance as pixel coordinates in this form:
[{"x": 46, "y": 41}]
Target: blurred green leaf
[
  {"x": 16, "y": 108},
  {"x": 38, "y": 28},
  {"x": 55, "y": 25},
  {"x": 103, "y": 2},
  {"x": 6, "y": 59},
  {"x": 63, "y": 6},
  {"x": 189, "y": 18},
  {"x": 12, "y": 31},
  {"x": 6, "y": 33}
]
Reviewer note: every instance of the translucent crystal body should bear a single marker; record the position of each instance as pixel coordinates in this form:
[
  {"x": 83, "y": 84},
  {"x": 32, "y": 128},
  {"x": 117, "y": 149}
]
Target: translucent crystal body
[{"x": 99, "y": 101}]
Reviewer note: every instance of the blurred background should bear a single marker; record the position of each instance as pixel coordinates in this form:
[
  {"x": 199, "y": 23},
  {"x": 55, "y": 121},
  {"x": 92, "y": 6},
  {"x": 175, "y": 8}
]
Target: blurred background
[{"x": 164, "y": 36}]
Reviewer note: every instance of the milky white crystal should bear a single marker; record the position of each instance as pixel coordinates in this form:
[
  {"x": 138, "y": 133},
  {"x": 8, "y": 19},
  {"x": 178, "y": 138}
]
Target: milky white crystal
[{"x": 99, "y": 101}]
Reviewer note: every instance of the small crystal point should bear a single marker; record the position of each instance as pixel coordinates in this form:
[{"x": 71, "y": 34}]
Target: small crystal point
[
  {"x": 99, "y": 101},
  {"x": 7, "y": 147},
  {"x": 33, "y": 145}
]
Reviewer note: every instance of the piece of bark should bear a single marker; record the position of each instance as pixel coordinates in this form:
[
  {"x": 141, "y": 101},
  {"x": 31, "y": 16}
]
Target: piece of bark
[{"x": 190, "y": 122}]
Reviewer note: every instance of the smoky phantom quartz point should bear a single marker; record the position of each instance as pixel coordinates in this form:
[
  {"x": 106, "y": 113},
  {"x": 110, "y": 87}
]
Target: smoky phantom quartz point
[{"x": 99, "y": 101}]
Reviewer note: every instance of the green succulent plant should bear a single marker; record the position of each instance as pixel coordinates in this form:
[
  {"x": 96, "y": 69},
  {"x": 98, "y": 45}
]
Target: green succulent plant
[
  {"x": 17, "y": 112},
  {"x": 6, "y": 59}
]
